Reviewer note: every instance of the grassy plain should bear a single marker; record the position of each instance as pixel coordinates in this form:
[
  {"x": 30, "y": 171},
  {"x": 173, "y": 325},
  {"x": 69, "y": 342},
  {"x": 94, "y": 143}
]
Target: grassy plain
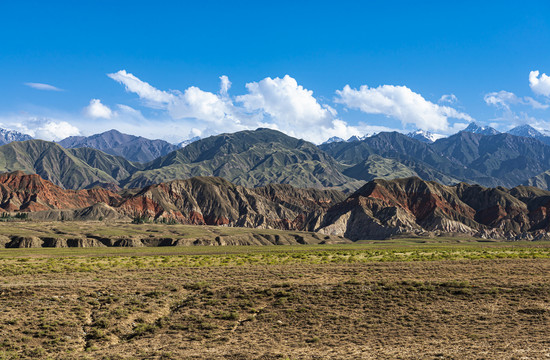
[{"x": 407, "y": 298}]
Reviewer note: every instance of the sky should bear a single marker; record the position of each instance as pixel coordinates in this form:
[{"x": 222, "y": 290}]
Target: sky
[{"x": 312, "y": 69}]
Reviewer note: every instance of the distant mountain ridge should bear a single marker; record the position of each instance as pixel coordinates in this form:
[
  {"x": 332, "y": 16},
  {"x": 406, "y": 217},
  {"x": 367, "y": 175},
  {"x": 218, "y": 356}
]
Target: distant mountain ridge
[
  {"x": 475, "y": 128},
  {"x": 264, "y": 156},
  {"x": 489, "y": 160},
  {"x": 69, "y": 168},
  {"x": 525, "y": 131},
  {"x": 113, "y": 142},
  {"x": 530, "y": 132},
  {"x": 8, "y": 136},
  {"x": 250, "y": 158}
]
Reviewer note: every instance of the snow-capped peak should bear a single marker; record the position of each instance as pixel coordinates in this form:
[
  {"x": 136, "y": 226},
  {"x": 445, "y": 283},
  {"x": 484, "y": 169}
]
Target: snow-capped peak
[
  {"x": 360, "y": 138},
  {"x": 333, "y": 139},
  {"x": 7, "y": 136},
  {"x": 525, "y": 131},
  {"x": 478, "y": 129},
  {"x": 425, "y": 136}
]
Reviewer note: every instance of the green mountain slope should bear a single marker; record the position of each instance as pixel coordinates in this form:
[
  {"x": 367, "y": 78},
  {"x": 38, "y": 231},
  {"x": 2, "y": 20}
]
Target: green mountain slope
[
  {"x": 489, "y": 160},
  {"x": 71, "y": 169},
  {"x": 416, "y": 155},
  {"x": 117, "y": 167},
  {"x": 501, "y": 160},
  {"x": 248, "y": 158},
  {"x": 378, "y": 167}
]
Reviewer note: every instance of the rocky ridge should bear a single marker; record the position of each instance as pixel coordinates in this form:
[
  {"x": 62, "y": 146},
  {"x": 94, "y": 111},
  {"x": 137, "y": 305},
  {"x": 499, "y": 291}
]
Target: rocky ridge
[
  {"x": 379, "y": 210},
  {"x": 403, "y": 207}
]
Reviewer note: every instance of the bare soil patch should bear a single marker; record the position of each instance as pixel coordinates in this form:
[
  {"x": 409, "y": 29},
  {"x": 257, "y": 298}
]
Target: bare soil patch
[{"x": 460, "y": 309}]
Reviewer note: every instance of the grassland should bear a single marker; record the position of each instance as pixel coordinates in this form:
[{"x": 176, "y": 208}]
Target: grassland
[{"x": 408, "y": 298}]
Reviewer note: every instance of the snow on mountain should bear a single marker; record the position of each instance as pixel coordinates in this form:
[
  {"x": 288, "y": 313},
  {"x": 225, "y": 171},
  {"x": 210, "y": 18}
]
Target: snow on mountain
[
  {"x": 334, "y": 139},
  {"x": 526, "y": 131},
  {"x": 360, "y": 138},
  {"x": 425, "y": 136},
  {"x": 483, "y": 130},
  {"x": 7, "y": 136}
]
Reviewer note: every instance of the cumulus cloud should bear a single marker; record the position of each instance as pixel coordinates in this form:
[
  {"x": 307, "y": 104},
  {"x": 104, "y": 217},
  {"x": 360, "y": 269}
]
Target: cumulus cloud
[
  {"x": 192, "y": 103},
  {"x": 198, "y": 104},
  {"x": 97, "y": 110},
  {"x": 40, "y": 127},
  {"x": 503, "y": 99},
  {"x": 56, "y": 130},
  {"x": 401, "y": 103},
  {"x": 286, "y": 102},
  {"x": 276, "y": 103},
  {"x": 539, "y": 83},
  {"x": 41, "y": 86}
]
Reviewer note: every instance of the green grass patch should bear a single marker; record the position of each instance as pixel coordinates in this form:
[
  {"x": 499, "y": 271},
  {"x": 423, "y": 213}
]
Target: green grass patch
[{"x": 74, "y": 260}]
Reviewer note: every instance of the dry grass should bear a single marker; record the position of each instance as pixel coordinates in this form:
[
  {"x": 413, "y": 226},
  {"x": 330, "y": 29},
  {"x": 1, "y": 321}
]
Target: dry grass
[{"x": 306, "y": 305}]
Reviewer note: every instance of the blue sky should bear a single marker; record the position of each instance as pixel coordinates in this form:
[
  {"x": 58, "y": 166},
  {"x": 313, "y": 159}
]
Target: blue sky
[{"x": 399, "y": 59}]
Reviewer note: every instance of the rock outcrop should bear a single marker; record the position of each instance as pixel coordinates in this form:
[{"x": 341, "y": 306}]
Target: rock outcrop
[
  {"x": 411, "y": 206},
  {"x": 30, "y": 193},
  {"x": 215, "y": 201}
]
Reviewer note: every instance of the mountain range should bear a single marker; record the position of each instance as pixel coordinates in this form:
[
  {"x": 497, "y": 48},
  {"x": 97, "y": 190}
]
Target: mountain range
[
  {"x": 199, "y": 201},
  {"x": 264, "y": 156},
  {"x": 501, "y": 159},
  {"x": 380, "y": 209},
  {"x": 69, "y": 168}
]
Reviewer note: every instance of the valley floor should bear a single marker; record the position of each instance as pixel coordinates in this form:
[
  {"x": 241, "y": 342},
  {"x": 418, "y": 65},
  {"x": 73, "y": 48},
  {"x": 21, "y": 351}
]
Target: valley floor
[{"x": 456, "y": 301}]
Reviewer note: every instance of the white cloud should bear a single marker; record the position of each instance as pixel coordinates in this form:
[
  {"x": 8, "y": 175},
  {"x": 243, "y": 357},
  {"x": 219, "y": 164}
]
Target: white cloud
[
  {"x": 225, "y": 85},
  {"x": 193, "y": 103},
  {"x": 198, "y": 104},
  {"x": 56, "y": 130},
  {"x": 401, "y": 103},
  {"x": 141, "y": 88},
  {"x": 276, "y": 103},
  {"x": 448, "y": 98},
  {"x": 341, "y": 129},
  {"x": 539, "y": 84},
  {"x": 128, "y": 111},
  {"x": 285, "y": 102},
  {"x": 97, "y": 110},
  {"x": 40, "y": 127},
  {"x": 503, "y": 99},
  {"x": 41, "y": 86}
]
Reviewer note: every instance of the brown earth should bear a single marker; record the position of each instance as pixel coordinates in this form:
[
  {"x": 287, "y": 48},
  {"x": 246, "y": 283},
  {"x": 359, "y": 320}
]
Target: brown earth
[{"x": 482, "y": 309}]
